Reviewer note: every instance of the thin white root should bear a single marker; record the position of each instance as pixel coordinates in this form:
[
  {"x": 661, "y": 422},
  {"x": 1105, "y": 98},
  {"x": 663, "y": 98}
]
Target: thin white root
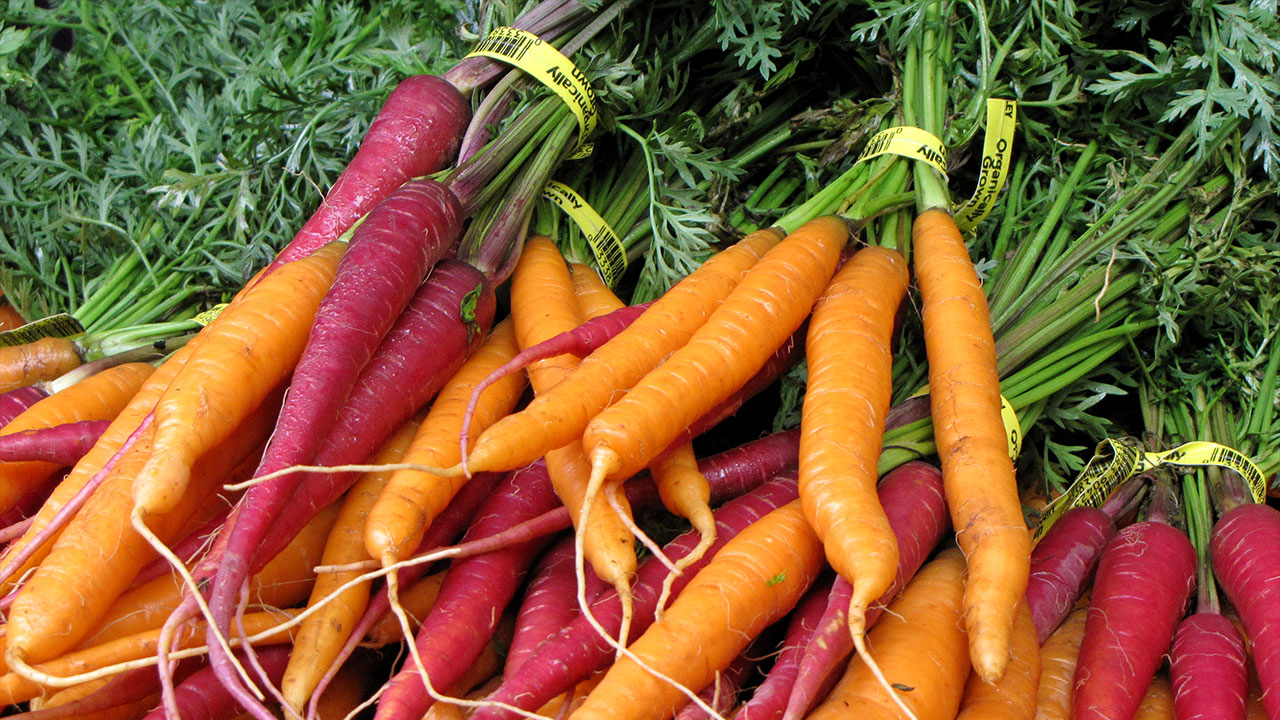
[
  {"x": 860, "y": 643},
  {"x": 335, "y": 469}
]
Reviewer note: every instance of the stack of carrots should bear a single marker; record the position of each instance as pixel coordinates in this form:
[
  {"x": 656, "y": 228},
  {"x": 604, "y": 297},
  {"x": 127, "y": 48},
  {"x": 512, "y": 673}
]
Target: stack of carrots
[{"x": 369, "y": 447}]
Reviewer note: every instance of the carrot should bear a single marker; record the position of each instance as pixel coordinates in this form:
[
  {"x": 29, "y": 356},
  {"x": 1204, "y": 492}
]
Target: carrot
[
  {"x": 416, "y": 133},
  {"x": 250, "y": 349},
  {"x": 1141, "y": 589},
  {"x": 1242, "y": 549},
  {"x": 43, "y": 359},
  {"x": 96, "y": 698},
  {"x": 201, "y": 697},
  {"x": 721, "y": 695},
  {"x": 15, "y": 688},
  {"x": 550, "y": 602},
  {"x": 416, "y": 600},
  {"x": 412, "y": 500},
  {"x": 322, "y": 635},
  {"x": 686, "y": 493},
  {"x": 754, "y": 320},
  {"x": 1058, "y": 657},
  {"x": 59, "y": 445},
  {"x": 845, "y": 404},
  {"x": 559, "y": 416},
  {"x": 965, "y": 401},
  {"x": 59, "y": 605},
  {"x": 1207, "y": 668},
  {"x": 10, "y": 318},
  {"x": 769, "y": 699},
  {"x": 99, "y": 397},
  {"x": 920, "y": 647},
  {"x": 1014, "y": 697},
  {"x": 757, "y": 577},
  {"x": 14, "y": 402},
  {"x": 1157, "y": 704}
]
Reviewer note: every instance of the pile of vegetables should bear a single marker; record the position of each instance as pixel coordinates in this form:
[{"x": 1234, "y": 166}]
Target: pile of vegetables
[{"x": 386, "y": 380}]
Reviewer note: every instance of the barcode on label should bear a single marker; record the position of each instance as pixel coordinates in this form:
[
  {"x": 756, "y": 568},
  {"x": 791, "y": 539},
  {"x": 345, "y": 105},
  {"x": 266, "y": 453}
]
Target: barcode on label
[{"x": 507, "y": 44}]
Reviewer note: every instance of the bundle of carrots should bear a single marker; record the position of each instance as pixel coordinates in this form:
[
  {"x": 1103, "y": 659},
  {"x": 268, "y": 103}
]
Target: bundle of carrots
[{"x": 426, "y": 431}]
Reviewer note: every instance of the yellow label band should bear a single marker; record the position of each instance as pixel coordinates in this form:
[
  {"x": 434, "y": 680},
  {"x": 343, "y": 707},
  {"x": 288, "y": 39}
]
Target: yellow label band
[
  {"x": 209, "y": 315},
  {"x": 1200, "y": 452},
  {"x": 997, "y": 147},
  {"x": 909, "y": 142},
  {"x": 61, "y": 325},
  {"x": 550, "y": 67},
  {"x": 610, "y": 253}
]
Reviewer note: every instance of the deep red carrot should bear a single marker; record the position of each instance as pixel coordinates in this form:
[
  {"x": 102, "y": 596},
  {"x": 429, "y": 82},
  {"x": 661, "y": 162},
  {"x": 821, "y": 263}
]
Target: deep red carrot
[
  {"x": 722, "y": 695},
  {"x": 1063, "y": 562},
  {"x": 1144, "y": 581},
  {"x": 60, "y": 444},
  {"x": 550, "y": 602},
  {"x": 446, "y": 320},
  {"x": 769, "y": 700},
  {"x": 202, "y": 697},
  {"x": 472, "y": 598},
  {"x": 385, "y": 262},
  {"x": 578, "y": 650},
  {"x": 416, "y": 132},
  {"x": 12, "y": 403},
  {"x": 1245, "y": 551},
  {"x": 578, "y": 342},
  {"x": 1207, "y": 669},
  {"x": 128, "y": 687}
]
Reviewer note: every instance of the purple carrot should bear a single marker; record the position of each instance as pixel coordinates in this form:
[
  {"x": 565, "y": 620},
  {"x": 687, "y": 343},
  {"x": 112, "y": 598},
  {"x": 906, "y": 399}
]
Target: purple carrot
[
  {"x": 444, "y": 323},
  {"x": 389, "y": 255},
  {"x": 1245, "y": 551},
  {"x": 549, "y": 603},
  {"x": 202, "y": 697},
  {"x": 722, "y": 695},
  {"x": 187, "y": 549},
  {"x": 129, "y": 687},
  {"x": 913, "y": 500},
  {"x": 61, "y": 444},
  {"x": 1141, "y": 589},
  {"x": 1207, "y": 668},
  {"x": 27, "y": 507},
  {"x": 17, "y": 400},
  {"x": 472, "y": 598},
  {"x": 578, "y": 650},
  {"x": 579, "y": 342},
  {"x": 770, "y": 699},
  {"x": 417, "y": 132},
  {"x": 1063, "y": 562}
]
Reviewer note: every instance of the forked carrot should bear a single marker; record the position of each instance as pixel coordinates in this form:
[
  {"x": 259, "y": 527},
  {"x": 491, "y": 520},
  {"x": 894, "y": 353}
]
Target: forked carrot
[
  {"x": 842, "y": 421},
  {"x": 685, "y": 492},
  {"x": 920, "y": 646},
  {"x": 44, "y": 359},
  {"x": 756, "y": 578},
  {"x": 558, "y": 416},
  {"x": 99, "y": 397},
  {"x": 248, "y": 350},
  {"x": 1014, "y": 697},
  {"x": 976, "y": 470}
]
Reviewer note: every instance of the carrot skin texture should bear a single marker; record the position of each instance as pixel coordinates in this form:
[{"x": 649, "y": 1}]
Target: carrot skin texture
[
  {"x": 1058, "y": 657},
  {"x": 202, "y": 697},
  {"x": 757, "y": 317},
  {"x": 912, "y": 498},
  {"x": 576, "y": 651},
  {"x": 1144, "y": 582},
  {"x": 43, "y": 359},
  {"x": 473, "y": 596},
  {"x": 621, "y": 362},
  {"x": 1062, "y": 565},
  {"x": 756, "y": 578},
  {"x": 417, "y": 132},
  {"x": 1014, "y": 697},
  {"x": 385, "y": 262},
  {"x": 1245, "y": 551},
  {"x": 13, "y": 402},
  {"x": 842, "y": 422},
  {"x": 921, "y": 645},
  {"x": 550, "y": 602},
  {"x": 1157, "y": 703},
  {"x": 769, "y": 700},
  {"x": 62, "y": 445},
  {"x": 1207, "y": 669}
]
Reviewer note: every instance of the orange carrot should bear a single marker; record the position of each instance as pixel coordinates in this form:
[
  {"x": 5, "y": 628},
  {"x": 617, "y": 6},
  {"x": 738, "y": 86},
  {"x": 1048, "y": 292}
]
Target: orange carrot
[
  {"x": 411, "y": 500},
  {"x": 842, "y": 422},
  {"x": 919, "y": 644},
  {"x": 99, "y": 397},
  {"x": 976, "y": 470},
  {"x": 1158, "y": 702},
  {"x": 15, "y": 688},
  {"x": 248, "y": 350},
  {"x": 44, "y": 359},
  {"x": 1014, "y": 697},
  {"x": 417, "y": 600},
  {"x": 99, "y": 552},
  {"x": 321, "y": 636},
  {"x": 558, "y": 416},
  {"x": 685, "y": 492},
  {"x": 594, "y": 297},
  {"x": 1058, "y": 658},
  {"x": 756, "y": 578},
  {"x": 755, "y": 319}
]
